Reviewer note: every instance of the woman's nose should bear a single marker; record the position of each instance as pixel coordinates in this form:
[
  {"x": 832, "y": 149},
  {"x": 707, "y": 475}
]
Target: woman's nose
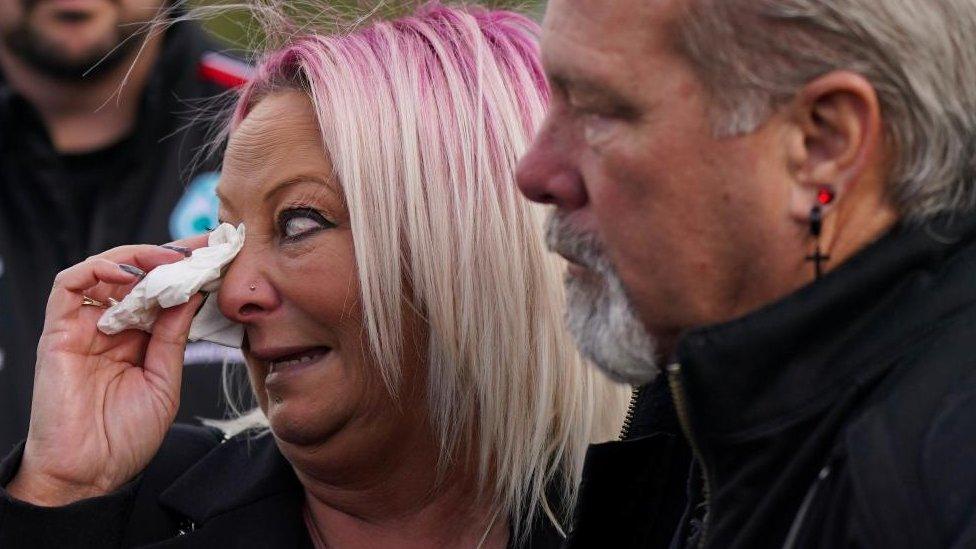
[{"x": 246, "y": 292}]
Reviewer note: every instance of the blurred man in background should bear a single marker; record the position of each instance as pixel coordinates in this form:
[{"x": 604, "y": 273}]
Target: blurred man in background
[{"x": 100, "y": 139}]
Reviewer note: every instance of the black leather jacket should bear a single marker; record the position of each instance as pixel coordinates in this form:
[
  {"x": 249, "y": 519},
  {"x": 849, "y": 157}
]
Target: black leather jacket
[{"x": 841, "y": 416}]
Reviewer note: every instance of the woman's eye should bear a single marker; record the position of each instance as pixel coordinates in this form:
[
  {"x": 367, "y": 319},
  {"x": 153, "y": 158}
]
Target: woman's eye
[{"x": 299, "y": 222}]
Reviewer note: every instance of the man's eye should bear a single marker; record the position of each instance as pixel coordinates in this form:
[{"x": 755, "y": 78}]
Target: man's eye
[
  {"x": 596, "y": 127},
  {"x": 296, "y": 223}
]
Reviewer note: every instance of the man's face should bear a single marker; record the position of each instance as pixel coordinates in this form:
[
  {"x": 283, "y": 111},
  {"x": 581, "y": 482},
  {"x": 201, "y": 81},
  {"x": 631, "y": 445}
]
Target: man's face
[
  {"x": 694, "y": 226},
  {"x": 66, "y": 38}
]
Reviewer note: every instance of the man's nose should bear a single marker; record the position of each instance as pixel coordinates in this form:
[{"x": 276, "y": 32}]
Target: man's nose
[{"x": 548, "y": 172}]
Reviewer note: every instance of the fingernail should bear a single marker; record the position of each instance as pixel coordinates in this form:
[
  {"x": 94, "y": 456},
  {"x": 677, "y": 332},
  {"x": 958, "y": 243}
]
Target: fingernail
[
  {"x": 202, "y": 302},
  {"x": 185, "y": 251},
  {"x": 133, "y": 270}
]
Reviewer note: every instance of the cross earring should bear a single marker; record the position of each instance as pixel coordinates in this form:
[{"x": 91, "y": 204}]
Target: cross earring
[{"x": 824, "y": 197}]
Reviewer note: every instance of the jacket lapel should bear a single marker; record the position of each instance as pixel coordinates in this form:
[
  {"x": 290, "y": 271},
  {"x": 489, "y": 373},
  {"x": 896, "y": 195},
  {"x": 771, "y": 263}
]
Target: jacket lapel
[
  {"x": 631, "y": 492},
  {"x": 243, "y": 490}
]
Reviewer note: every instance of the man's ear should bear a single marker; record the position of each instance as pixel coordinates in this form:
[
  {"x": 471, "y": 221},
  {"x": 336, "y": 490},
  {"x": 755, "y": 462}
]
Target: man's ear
[{"x": 837, "y": 120}]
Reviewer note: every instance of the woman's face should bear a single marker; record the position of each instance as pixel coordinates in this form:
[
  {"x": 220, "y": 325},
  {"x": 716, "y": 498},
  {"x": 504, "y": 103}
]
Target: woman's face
[{"x": 294, "y": 287}]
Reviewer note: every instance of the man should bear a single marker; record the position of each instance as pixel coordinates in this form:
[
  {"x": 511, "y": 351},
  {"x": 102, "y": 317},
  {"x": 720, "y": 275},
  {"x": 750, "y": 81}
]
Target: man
[
  {"x": 101, "y": 134},
  {"x": 772, "y": 201}
]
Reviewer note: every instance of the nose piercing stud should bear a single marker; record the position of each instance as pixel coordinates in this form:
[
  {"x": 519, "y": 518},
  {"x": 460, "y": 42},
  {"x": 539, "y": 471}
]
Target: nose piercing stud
[{"x": 253, "y": 287}]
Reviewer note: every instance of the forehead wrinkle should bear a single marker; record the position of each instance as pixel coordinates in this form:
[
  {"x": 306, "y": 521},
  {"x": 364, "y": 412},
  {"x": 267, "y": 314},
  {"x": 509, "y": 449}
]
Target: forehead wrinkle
[
  {"x": 573, "y": 64},
  {"x": 279, "y": 140},
  {"x": 590, "y": 80},
  {"x": 607, "y": 39},
  {"x": 262, "y": 139}
]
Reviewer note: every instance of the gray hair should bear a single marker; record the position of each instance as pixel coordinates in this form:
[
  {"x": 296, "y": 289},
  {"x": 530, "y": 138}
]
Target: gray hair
[{"x": 754, "y": 55}]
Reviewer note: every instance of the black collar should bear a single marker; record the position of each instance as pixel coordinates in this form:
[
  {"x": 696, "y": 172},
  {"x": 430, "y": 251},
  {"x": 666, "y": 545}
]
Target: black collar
[
  {"x": 778, "y": 365},
  {"x": 244, "y": 470},
  {"x": 249, "y": 472}
]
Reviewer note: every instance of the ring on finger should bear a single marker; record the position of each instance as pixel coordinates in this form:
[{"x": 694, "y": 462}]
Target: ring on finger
[{"x": 85, "y": 300}]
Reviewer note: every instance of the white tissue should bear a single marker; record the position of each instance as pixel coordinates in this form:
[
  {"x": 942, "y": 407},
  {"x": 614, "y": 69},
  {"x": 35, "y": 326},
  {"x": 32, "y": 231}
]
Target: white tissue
[
  {"x": 211, "y": 325},
  {"x": 173, "y": 284}
]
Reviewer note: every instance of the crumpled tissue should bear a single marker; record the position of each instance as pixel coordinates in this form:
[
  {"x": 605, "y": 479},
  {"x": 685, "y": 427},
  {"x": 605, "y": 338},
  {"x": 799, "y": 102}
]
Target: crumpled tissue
[{"x": 173, "y": 284}]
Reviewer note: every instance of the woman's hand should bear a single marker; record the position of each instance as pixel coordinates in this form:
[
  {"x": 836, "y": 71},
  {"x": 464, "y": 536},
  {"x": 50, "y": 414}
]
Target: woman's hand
[{"x": 101, "y": 403}]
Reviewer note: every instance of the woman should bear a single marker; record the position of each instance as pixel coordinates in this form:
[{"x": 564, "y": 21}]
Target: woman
[{"x": 402, "y": 323}]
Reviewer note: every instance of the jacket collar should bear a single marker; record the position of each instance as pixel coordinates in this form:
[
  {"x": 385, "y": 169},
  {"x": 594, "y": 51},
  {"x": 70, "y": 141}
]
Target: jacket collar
[
  {"x": 793, "y": 358},
  {"x": 243, "y": 470},
  {"x": 248, "y": 471}
]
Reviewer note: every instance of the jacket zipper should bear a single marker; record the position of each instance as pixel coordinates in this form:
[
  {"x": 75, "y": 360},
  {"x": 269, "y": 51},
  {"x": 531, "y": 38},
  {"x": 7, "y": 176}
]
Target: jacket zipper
[
  {"x": 631, "y": 414},
  {"x": 680, "y": 405}
]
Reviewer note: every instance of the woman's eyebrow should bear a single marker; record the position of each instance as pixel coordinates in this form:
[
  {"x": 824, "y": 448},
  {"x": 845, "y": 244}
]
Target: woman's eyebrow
[
  {"x": 290, "y": 182},
  {"x": 330, "y": 187},
  {"x": 225, "y": 204}
]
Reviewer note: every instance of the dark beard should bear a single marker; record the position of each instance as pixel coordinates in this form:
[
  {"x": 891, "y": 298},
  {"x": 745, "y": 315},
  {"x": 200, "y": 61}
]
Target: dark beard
[{"x": 31, "y": 48}]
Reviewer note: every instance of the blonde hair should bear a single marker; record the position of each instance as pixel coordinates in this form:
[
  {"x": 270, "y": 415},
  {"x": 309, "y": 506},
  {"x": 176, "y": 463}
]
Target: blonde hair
[{"x": 425, "y": 118}]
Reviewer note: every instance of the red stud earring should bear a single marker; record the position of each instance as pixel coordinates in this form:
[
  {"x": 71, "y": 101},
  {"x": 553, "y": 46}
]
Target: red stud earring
[{"x": 825, "y": 195}]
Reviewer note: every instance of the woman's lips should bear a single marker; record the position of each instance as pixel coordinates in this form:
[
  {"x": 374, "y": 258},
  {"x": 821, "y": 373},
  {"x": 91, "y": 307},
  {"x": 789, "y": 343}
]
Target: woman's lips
[
  {"x": 284, "y": 360},
  {"x": 294, "y": 361}
]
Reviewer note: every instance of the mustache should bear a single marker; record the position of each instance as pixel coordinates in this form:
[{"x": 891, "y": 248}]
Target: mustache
[
  {"x": 578, "y": 246},
  {"x": 599, "y": 314}
]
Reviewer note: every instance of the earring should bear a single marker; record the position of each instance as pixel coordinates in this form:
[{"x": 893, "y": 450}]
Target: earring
[{"x": 825, "y": 195}]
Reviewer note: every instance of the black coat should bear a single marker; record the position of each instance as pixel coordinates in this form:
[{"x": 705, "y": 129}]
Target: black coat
[
  {"x": 841, "y": 416},
  {"x": 200, "y": 490}
]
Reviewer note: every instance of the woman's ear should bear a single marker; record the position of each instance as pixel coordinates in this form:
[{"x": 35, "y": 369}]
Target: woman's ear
[{"x": 837, "y": 119}]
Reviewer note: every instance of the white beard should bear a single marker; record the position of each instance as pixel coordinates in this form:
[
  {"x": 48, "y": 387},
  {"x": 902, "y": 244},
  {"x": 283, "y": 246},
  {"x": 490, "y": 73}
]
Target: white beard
[{"x": 598, "y": 313}]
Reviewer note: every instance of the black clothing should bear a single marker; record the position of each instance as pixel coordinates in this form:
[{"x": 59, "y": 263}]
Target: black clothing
[
  {"x": 56, "y": 210},
  {"x": 198, "y": 491},
  {"x": 79, "y": 196},
  {"x": 841, "y": 416},
  {"x": 633, "y": 490}
]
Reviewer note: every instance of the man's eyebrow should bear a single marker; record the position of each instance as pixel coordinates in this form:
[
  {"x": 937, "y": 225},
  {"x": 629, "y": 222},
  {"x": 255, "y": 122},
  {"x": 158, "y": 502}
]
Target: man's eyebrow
[
  {"x": 557, "y": 81},
  {"x": 587, "y": 86}
]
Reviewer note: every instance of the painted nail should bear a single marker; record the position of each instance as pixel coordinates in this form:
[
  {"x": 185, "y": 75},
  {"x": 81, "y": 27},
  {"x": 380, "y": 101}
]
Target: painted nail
[
  {"x": 202, "y": 302},
  {"x": 185, "y": 251},
  {"x": 132, "y": 270}
]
